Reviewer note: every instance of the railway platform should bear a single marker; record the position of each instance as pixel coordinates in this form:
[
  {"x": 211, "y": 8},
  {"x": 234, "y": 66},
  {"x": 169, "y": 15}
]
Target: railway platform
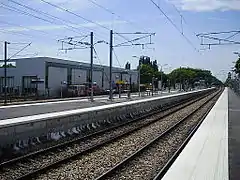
[
  {"x": 234, "y": 136},
  {"x": 206, "y": 156},
  {"x": 30, "y": 109},
  {"x": 26, "y": 128}
]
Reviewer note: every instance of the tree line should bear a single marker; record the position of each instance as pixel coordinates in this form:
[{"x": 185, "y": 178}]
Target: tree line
[
  {"x": 184, "y": 75},
  {"x": 232, "y": 82}
]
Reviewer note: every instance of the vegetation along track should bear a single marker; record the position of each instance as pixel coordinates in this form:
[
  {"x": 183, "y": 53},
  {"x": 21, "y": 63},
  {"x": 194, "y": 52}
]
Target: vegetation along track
[{"x": 39, "y": 162}]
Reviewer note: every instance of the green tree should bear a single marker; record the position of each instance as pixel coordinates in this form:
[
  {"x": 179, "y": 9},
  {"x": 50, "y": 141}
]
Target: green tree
[
  {"x": 191, "y": 75},
  {"x": 228, "y": 81},
  {"x": 237, "y": 66},
  {"x": 147, "y": 72},
  {"x": 154, "y": 65}
]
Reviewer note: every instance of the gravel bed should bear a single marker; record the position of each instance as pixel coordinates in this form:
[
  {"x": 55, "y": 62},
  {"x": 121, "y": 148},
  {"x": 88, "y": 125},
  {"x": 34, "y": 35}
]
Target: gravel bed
[
  {"x": 24, "y": 167},
  {"x": 91, "y": 165},
  {"x": 148, "y": 163}
]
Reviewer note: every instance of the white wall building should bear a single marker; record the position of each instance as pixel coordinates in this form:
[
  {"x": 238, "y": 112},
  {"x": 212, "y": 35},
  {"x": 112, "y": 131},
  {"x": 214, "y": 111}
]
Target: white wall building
[{"x": 52, "y": 73}]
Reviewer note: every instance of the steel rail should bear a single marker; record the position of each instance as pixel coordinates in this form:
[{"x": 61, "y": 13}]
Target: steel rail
[
  {"x": 62, "y": 145},
  {"x": 165, "y": 168},
  {"x": 163, "y": 134}
]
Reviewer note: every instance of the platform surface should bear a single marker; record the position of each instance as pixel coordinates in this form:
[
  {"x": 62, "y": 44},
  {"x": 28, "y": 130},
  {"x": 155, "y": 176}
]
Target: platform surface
[
  {"x": 9, "y": 122},
  {"x": 234, "y": 136},
  {"x": 21, "y": 110},
  {"x": 205, "y": 157}
]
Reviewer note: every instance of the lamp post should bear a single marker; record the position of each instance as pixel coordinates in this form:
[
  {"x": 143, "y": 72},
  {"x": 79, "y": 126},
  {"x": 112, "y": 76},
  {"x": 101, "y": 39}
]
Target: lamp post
[
  {"x": 5, "y": 72},
  {"x": 139, "y": 76}
]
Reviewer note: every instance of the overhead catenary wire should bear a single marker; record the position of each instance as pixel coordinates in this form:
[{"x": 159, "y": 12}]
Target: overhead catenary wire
[
  {"x": 11, "y": 8},
  {"x": 19, "y": 51},
  {"x": 80, "y": 16},
  {"x": 233, "y": 35},
  {"x": 220, "y": 39},
  {"x": 221, "y": 32},
  {"x": 97, "y": 56},
  {"x": 15, "y": 33},
  {"x": 53, "y": 17},
  {"x": 113, "y": 13},
  {"x": 182, "y": 17},
  {"x": 19, "y": 43},
  {"x": 14, "y": 9},
  {"x": 13, "y": 24},
  {"x": 131, "y": 41},
  {"x": 174, "y": 25},
  {"x": 75, "y": 14},
  {"x": 117, "y": 58}
]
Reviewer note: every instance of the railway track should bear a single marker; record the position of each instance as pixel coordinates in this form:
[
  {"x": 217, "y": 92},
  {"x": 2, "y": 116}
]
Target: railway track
[
  {"x": 154, "y": 159},
  {"x": 28, "y": 166}
]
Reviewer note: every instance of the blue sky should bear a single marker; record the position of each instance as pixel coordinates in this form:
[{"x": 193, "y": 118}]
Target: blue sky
[{"x": 130, "y": 16}]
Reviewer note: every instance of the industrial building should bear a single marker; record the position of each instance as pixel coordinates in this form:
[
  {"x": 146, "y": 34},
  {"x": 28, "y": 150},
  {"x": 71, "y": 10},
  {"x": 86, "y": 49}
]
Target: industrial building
[{"x": 46, "y": 76}]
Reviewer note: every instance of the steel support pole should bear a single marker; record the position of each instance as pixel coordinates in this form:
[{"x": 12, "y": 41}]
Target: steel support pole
[
  {"x": 152, "y": 84},
  {"x": 61, "y": 90},
  {"x": 110, "y": 70},
  {"x": 161, "y": 79},
  {"x": 91, "y": 72},
  {"x": 130, "y": 86},
  {"x": 139, "y": 79},
  {"x": 5, "y": 72}
]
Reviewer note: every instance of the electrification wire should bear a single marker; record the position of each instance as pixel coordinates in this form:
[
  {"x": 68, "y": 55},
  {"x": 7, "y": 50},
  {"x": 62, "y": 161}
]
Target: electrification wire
[
  {"x": 52, "y": 16},
  {"x": 11, "y": 8},
  {"x": 174, "y": 25},
  {"x": 100, "y": 62},
  {"x": 16, "y": 43},
  {"x": 183, "y": 18},
  {"x": 79, "y": 16},
  {"x": 66, "y": 10},
  {"x": 113, "y": 13},
  {"x": 19, "y": 43},
  {"x": 131, "y": 41},
  {"x": 43, "y": 13},
  {"x": 229, "y": 37},
  {"x": 221, "y": 32},
  {"x": 15, "y": 33},
  {"x": 116, "y": 58},
  {"x": 27, "y": 55},
  {"x": 14, "y": 9},
  {"x": 13, "y": 24},
  {"x": 220, "y": 39},
  {"x": 71, "y": 41},
  {"x": 19, "y": 51},
  {"x": 11, "y": 48}
]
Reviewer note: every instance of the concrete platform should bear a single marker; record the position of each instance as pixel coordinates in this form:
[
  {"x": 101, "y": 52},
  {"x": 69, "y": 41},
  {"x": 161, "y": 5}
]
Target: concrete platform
[
  {"x": 26, "y": 129},
  {"x": 206, "y": 155},
  {"x": 234, "y": 136},
  {"x": 20, "y": 110}
]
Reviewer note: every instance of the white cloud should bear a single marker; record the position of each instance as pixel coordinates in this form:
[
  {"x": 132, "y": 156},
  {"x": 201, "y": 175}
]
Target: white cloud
[{"x": 207, "y": 5}]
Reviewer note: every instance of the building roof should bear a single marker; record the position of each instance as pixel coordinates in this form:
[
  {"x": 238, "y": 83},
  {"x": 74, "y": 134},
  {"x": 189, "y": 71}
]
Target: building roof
[{"x": 71, "y": 62}]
